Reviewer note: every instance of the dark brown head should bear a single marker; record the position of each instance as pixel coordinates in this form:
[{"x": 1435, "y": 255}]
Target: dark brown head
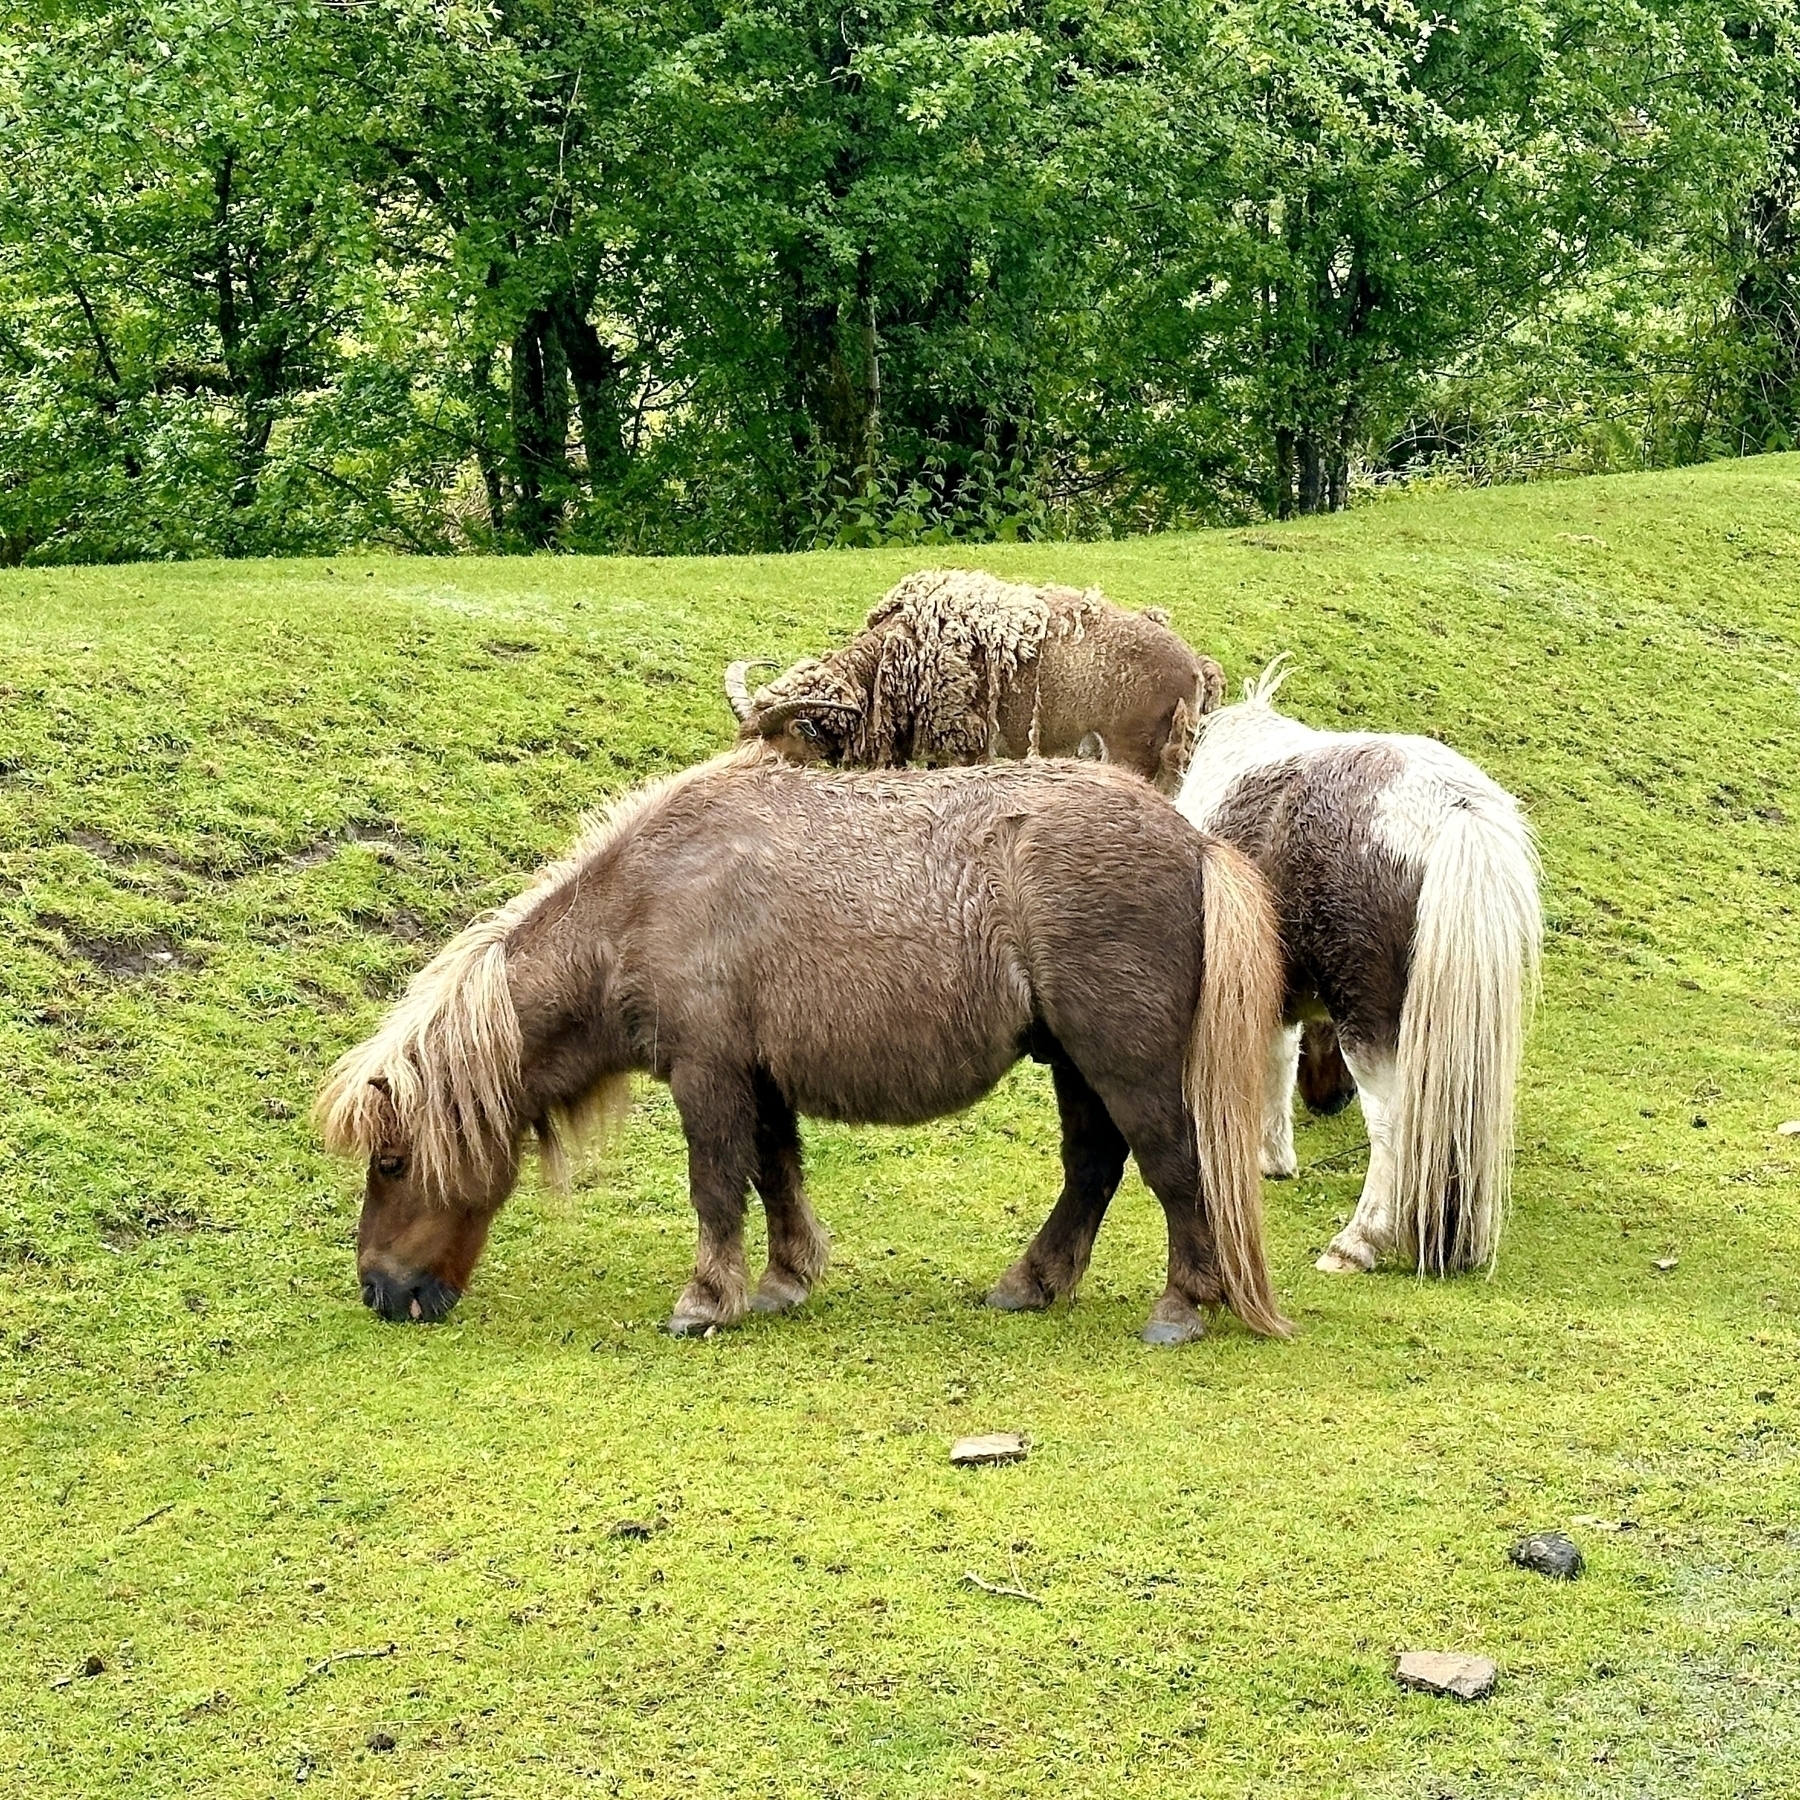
[
  {"x": 439, "y": 1103},
  {"x": 415, "y": 1250},
  {"x": 432, "y": 1105}
]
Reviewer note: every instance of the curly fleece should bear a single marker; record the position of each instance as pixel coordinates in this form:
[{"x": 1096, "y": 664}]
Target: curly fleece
[{"x": 925, "y": 679}]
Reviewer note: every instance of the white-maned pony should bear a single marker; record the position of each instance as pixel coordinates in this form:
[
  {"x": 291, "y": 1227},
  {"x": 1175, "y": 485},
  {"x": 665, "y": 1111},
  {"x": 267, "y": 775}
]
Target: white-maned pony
[{"x": 1407, "y": 886}]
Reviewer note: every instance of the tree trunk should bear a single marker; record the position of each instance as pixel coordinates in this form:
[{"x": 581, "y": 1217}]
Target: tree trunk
[
  {"x": 1312, "y": 493},
  {"x": 487, "y": 460},
  {"x": 834, "y": 385},
  {"x": 598, "y": 377},
  {"x": 257, "y": 372},
  {"x": 1284, "y": 472},
  {"x": 540, "y": 422}
]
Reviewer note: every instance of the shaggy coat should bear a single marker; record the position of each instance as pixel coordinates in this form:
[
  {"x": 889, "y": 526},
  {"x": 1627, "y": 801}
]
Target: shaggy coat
[
  {"x": 1406, "y": 882},
  {"x": 955, "y": 666},
  {"x": 772, "y": 941}
]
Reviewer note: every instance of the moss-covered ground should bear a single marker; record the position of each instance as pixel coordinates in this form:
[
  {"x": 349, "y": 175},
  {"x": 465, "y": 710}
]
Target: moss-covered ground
[{"x": 239, "y": 804}]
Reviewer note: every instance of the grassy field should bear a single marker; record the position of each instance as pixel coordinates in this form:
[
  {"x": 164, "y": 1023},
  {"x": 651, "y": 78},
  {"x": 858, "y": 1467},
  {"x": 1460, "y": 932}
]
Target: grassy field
[{"x": 239, "y": 804}]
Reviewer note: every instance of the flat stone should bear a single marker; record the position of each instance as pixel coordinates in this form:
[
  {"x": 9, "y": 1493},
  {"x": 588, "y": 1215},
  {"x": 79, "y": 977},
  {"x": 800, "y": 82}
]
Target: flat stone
[
  {"x": 993, "y": 1447},
  {"x": 1548, "y": 1553},
  {"x": 1447, "y": 1672}
]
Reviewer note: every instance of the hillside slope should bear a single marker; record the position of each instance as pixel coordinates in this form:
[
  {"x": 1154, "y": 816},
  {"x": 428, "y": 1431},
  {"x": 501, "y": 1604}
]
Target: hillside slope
[{"x": 240, "y": 803}]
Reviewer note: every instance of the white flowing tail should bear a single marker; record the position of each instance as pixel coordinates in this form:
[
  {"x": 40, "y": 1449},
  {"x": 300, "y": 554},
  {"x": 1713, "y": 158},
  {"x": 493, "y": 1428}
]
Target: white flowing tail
[{"x": 1462, "y": 1033}]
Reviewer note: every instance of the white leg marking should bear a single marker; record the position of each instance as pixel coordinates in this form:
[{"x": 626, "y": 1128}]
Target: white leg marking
[
  {"x": 1370, "y": 1234},
  {"x": 1278, "y": 1160}
]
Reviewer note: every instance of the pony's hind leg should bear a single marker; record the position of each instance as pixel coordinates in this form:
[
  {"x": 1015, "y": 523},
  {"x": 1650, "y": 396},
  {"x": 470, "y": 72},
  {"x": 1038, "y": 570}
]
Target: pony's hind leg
[
  {"x": 718, "y": 1115},
  {"x": 1093, "y": 1159},
  {"x": 799, "y": 1245},
  {"x": 1156, "y": 1123},
  {"x": 1278, "y": 1160},
  {"x": 1370, "y": 1235}
]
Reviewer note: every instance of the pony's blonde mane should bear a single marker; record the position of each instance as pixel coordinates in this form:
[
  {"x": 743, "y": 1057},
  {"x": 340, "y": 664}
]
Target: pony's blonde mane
[{"x": 441, "y": 1077}]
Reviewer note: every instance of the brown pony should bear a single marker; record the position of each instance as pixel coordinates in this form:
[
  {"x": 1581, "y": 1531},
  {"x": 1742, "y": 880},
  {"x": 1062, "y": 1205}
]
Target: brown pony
[{"x": 772, "y": 941}]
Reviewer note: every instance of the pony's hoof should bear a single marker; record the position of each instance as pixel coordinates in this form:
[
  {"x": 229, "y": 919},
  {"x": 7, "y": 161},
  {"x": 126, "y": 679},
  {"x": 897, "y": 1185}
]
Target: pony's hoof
[
  {"x": 689, "y": 1324},
  {"x": 1169, "y": 1332},
  {"x": 778, "y": 1293},
  {"x": 1342, "y": 1262},
  {"x": 1173, "y": 1321},
  {"x": 1018, "y": 1290}
]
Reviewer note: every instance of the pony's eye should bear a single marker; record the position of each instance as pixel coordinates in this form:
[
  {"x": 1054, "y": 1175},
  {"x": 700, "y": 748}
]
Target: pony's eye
[
  {"x": 390, "y": 1166},
  {"x": 806, "y": 728}
]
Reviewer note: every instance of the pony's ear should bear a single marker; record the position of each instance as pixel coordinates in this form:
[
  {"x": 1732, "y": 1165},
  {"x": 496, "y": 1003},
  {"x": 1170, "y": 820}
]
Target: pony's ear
[
  {"x": 1092, "y": 748},
  {"x": 382, "y": 1114}
]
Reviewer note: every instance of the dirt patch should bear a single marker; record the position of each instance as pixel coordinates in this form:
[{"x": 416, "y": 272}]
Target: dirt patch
[
  {"x": 510, "y": 648},
  {"x": 405, "y": 924},
  {"x": 385, "y": 840},
  {"x": 121, "y": 957},
  {"x": 17, "y": 1250},
  {"x": 402, "y": 924}
]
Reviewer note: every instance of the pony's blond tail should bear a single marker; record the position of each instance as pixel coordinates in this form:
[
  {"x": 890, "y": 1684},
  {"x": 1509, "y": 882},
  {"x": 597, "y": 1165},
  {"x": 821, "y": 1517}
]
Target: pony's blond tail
[
  {"x": 1474, "y": 977},
  {"x": 1239, "y": 1010}
]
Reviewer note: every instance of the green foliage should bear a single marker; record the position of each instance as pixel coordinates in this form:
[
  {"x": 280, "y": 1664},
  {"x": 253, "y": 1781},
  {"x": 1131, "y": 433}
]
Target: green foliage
[
  {"x": 759, "y": 274},
  {"x": 298, "y": 778}
]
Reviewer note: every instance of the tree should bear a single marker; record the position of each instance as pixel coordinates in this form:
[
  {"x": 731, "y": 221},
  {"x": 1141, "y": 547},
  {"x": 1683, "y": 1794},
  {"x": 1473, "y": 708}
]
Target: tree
[{"x": 1371, "y": 190}]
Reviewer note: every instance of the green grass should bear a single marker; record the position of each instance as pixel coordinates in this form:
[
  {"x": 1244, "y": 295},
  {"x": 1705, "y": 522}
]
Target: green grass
[{"x": 220, "y": 1471}]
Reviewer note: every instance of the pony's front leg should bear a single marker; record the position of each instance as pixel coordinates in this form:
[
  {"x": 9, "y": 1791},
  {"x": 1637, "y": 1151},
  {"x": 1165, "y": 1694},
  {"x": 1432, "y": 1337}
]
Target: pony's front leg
[
  {"x": 1370, "y": 1235},
  {"x": 799, "y": 1246},
  {"x": 718, "y": 1115},
  {"x": 1278, "y": 1160}
]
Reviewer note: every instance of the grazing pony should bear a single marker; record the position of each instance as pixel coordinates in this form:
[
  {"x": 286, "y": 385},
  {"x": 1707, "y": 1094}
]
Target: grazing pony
[
  {"x": 868, "y": 947},
  {"x": 1407, "y": 885}
]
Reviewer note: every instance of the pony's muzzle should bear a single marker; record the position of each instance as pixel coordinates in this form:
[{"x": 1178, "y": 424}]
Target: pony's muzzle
[{"x": 417, "y": 1299}]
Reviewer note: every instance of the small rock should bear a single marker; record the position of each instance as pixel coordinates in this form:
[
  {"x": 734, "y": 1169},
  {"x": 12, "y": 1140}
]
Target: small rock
[
  {"x": 1549, "y": 1553},
  {"x": 1788, "y": 1128},
  {"x": 1447, "y": 1672},
  {"x": 632, "y": 1528},
  {"x": 1765, "y": 1396},
  {"x": 95, "y": 1665},
  {"x": 1664, "y": 1264},
  {"x": 381, "y": 1742},
  {"x": 277, "y": 1109},
  {"x": 993, "y": 1447}
]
